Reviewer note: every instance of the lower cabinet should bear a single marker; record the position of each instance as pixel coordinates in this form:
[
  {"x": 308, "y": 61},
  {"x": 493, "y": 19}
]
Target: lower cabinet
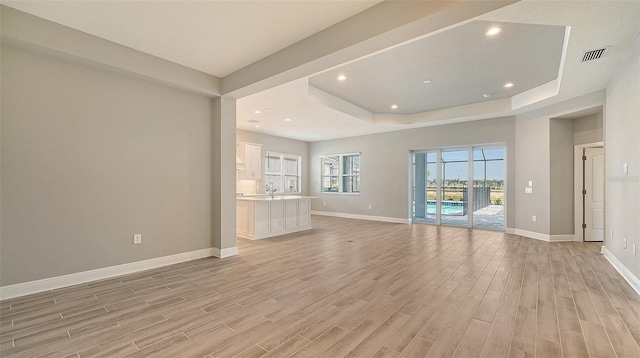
[
  {"x": 276, "y": 216},
  {"x": 259, "y": 219},
  {"x": 291, "y": 214}
]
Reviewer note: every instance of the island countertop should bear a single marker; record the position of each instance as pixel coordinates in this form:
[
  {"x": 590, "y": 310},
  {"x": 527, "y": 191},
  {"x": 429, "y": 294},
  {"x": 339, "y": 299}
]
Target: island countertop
[
  {"x": 261, "y": 216},
  {"x": 269, "y": 198}
]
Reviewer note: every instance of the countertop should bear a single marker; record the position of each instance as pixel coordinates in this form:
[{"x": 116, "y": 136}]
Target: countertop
[{"x": 269, "y": 198}]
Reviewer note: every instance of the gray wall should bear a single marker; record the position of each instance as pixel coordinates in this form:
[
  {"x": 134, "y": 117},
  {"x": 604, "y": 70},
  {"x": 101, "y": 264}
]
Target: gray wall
[
  {"x": 588, "y": 129},
  {"x": 622, "y": 138},
  {"x": 561, "y": 202},
  {"x": 223, "y": 167},
  {"x": 539, "y": 148},
  {"x": 91, "y": 157},
  {"x": 385, "y": 165},
  {"x": 532, "y": 158},
  {"x": 544, "y": 155},
  {"x": 279, "y": 145}
]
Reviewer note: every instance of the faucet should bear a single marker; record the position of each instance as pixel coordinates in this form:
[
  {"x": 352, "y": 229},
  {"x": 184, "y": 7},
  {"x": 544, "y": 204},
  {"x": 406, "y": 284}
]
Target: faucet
[{"x": 270, "y": 188}]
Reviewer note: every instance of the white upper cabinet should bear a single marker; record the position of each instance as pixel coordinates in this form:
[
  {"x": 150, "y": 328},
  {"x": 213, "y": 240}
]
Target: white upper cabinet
[{"x": 251, "y": 155}]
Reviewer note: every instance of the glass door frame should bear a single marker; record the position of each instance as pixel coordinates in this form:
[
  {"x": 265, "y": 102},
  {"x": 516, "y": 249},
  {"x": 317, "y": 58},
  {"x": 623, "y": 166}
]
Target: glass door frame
[
  {"x": 442, "y": 164},
  {"x": 470, "y": 182}
]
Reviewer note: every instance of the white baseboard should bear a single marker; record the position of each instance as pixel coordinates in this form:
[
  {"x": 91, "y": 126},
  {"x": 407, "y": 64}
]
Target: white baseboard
[
  {"x": 623, "y": 270},
  {"x": 532, "y": 235},
  {"x": 47, "y": 284},
  {"x": 229, "y": 251},
  {"x": 562, "y": 238},
  {"x": 362, "y": 217},
  {"x": 540, "y": 236}
]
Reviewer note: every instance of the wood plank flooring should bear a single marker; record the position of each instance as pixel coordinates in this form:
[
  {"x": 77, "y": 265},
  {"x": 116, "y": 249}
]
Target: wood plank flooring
[{"x": 348, "y": 288}]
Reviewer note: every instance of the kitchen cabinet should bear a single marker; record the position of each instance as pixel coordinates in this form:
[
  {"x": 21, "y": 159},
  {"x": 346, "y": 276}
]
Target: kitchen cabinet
[
  {"x": 251, "y": 155},
  {"x": 259, "y": 217}
]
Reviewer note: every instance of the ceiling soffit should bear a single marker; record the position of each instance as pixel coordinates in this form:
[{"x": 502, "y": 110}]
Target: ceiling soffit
[{"x": 462, "y": 60}]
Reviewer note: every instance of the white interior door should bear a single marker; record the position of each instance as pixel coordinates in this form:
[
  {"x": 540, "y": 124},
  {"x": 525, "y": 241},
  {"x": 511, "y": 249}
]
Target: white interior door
[{"x": 594, "y": 197}]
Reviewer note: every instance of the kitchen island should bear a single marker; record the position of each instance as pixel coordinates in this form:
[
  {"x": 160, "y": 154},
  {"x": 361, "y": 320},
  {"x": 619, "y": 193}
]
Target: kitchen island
[{"x": 259, "y": 217}]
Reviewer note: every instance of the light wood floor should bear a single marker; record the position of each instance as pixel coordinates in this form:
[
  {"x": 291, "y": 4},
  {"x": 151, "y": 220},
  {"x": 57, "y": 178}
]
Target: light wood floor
[{"x": 347, "y": 288}]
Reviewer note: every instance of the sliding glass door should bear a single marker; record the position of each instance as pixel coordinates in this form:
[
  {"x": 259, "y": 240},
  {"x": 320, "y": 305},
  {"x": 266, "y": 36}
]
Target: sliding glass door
[
  {"x": 488, "y": 188},
  {"x": 442, "y": 192},
  {"x": 425, "y": 187},
  {"x": 455, "y": 169}
]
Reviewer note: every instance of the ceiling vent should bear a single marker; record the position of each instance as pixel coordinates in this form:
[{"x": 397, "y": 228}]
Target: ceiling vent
[{"x": 594, "y": 54}]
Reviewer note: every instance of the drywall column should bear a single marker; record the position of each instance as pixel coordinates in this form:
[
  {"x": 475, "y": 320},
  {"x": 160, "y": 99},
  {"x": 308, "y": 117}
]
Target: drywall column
[
  {"x": 561, "y": 217},
  {"x": 533, "y": 165},
  {"x": 224, "y": 177},
  {"x": 421, "y": 195}
]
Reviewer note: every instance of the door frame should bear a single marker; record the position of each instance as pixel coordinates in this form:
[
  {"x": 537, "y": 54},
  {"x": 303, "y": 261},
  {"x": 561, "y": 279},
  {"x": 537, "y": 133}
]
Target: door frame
[{"x": 578, "y": 208}]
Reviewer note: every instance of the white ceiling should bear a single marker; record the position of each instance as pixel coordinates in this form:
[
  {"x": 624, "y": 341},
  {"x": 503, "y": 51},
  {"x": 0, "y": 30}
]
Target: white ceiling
[
  {"x": 462, "y": 60},
  {"x": 216, "y": 37},
  {"x": 523, "y": 53},
  {"x": 221, "y": 37}
]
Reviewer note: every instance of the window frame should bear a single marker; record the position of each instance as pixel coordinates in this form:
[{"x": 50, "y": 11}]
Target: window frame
[
  {"x": 282, "y": 173},
  {"x": 341, "y": 175}
]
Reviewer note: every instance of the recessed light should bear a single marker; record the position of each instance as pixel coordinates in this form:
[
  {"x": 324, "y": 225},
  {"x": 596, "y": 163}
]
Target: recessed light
[
  {"x": 295, "y": 118},
  {"x": 508, "y": 85},
  {"x": 287, "y": 119},
  {"x": 394, "y": 106},
  {"x": 257, "y": 111},
  {"x": 493, "y": 31},
  {"x": 342, "y": 77},
  {"x": 486, "y": 95},
  {"x": 426, "y": 81},
  {"x": 267, "y": 110},
  {"x": 257, "y": 126}
]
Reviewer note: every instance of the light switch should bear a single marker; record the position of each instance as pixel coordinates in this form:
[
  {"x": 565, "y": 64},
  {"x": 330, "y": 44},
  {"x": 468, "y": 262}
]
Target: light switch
[
  {"x": 625, "y": 169},
  {"x": 530, "y": 182}
]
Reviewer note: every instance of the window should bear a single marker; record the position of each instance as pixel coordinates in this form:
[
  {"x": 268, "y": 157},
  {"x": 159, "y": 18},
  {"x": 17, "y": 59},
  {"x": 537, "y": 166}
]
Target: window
[
  {"x": 283, "y": 170},
  {"x": 341, "y": 173}
]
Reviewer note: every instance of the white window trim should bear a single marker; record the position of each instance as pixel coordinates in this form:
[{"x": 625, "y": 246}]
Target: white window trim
[
  {"x": 340, "y": 175},
  {"x": 281, "y": 173}
]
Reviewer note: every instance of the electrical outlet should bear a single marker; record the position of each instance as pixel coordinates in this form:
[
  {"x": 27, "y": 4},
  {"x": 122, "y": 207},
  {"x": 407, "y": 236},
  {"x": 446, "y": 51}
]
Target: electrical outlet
[
  {"x": 534, "y": 218},
  {"x": 324, "y": 203},
  {"x": 369, "y": 206},
  {"x": 624, "y": 243},
  {"x": 137, "y": 239}
]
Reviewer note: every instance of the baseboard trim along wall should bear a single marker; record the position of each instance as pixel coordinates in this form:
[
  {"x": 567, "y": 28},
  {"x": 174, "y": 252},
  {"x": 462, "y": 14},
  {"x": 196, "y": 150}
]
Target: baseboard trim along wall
[
  {"x": 47, "y": 284},
  {"x": 539, "y": 236},
  {"x": 562, "y": 238},
  {"x": 230, "y": 251},
  {"x": 362, "y": 217},
  {"x": 623, "y": 270}
]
